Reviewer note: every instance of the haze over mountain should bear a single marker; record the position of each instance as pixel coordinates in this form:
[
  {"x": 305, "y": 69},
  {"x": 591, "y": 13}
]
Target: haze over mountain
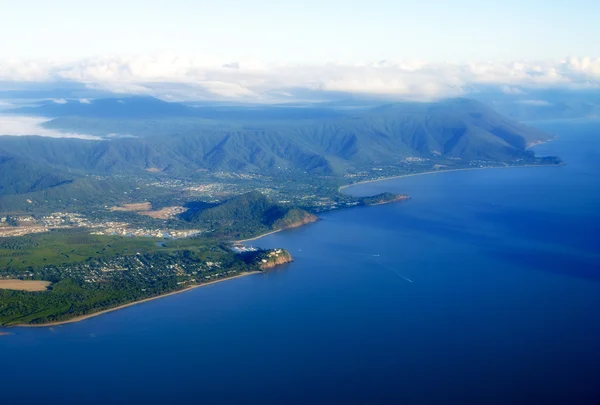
[
  {"x": 177, "y": 139},
  {"x": 143, "y": 136},
  {"x": 542, "y": 104}
]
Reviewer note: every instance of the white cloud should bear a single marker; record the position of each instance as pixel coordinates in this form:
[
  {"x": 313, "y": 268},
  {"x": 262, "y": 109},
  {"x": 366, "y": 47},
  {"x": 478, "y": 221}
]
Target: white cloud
[
  {"x": 196, "y": 77},
  {"x": 511, "y": 90},
  {"x": 85, "y": 101},
  {"x": 539, "y": 103},
  {"x": 14, "y": 125},
  {"x": 59, "y": 101},
  {"x": 5, "y": 105},
  {"x": 25, "y": 70}
]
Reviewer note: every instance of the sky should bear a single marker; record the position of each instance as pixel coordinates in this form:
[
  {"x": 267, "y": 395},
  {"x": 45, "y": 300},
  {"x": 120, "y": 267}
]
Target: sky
[
  {"x": 309, "y": 31},
  {"x": 265, "y": 49}
]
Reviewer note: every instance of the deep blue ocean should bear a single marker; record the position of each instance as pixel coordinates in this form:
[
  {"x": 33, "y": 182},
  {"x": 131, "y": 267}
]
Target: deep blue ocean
[{"x": 483, "y": 288}]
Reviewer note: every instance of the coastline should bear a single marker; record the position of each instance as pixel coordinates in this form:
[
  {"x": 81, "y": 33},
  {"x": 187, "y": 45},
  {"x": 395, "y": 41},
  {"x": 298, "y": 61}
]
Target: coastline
[
  {"x": 406, "y": 197},
  {"x": 298, "y": 225},
  {"x": 88, "y": 316},
  {"x": 401, "y": 198},
  {"x": 441, "y": 171},
  {"x": 259, "y": 236},
  {"x": 191, "y": 287}
]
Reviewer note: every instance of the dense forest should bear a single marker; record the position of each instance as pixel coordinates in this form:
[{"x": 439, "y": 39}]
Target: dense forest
[{"x": 248, "y": 215}]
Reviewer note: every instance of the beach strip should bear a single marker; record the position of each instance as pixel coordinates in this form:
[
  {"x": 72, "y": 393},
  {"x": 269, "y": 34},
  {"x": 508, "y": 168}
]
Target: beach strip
[
  {"x": 92, "y": 315},
  {"x": 443, "y": 171}
]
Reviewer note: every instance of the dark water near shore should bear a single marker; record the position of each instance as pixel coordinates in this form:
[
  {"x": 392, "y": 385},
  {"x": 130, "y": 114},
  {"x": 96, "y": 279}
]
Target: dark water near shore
[{"x": 483, "y": 288}]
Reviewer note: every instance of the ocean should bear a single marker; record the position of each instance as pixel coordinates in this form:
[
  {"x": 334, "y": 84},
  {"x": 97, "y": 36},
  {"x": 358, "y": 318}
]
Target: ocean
[{"x": 483, "y": 288}]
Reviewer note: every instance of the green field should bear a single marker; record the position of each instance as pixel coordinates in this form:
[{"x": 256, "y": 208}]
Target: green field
[{"x": 60, "y": 248}]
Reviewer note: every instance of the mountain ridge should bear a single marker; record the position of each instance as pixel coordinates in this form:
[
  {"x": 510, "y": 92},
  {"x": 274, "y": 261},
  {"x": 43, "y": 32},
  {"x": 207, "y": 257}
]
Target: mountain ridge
[{"x": 457, "y": 128}]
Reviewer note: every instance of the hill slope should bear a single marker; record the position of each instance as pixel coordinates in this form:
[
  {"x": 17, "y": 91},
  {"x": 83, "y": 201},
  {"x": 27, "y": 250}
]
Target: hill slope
[
  {"x": 248, "y": 215},
  {"x": 20, "y": 176}
]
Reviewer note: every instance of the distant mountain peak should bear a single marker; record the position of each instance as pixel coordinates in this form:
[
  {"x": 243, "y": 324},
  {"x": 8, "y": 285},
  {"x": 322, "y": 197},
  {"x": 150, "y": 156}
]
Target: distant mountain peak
[{"x": 115, "y": 107}]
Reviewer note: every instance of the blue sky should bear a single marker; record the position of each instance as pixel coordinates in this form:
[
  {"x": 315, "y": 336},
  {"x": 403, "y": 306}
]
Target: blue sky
[
  {"x": 266, "y": 50},
  {"x": 307, "y": 31}
]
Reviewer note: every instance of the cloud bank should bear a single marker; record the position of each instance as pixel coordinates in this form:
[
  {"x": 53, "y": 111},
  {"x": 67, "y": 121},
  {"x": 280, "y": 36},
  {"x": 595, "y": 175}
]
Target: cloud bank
[
  {"x": 197, "y": 78},
  {"x": 14, "y": 125}
]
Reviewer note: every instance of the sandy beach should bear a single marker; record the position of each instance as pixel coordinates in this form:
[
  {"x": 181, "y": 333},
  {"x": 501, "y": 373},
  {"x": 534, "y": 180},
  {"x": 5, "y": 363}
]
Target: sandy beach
[
  {"x": 440, "y": 171},
  {"x": 258, "y": 237},
  {"x": 84, "y": 317}
]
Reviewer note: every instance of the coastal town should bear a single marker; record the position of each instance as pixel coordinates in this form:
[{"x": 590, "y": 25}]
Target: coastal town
[
  {"x": 224, "y": 185},
  {"x": 20, "y": 225},
  {"x": 139, "y": 268}
]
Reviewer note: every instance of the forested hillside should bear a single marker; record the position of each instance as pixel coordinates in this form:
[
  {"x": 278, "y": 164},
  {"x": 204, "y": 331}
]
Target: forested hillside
[
  {"x": 177, "y": 140},
  {"x": 248, "y": 215}
]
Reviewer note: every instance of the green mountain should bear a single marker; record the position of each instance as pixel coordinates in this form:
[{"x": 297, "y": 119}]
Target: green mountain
[
  {"x": 350, "y": 141},
  {"x": 248, "y": 215},
  {"x": 20, "y": 176}
]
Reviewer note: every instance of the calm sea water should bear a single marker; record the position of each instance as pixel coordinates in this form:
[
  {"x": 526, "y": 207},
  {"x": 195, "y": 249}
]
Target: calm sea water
[{"x": 483, "y": 288}]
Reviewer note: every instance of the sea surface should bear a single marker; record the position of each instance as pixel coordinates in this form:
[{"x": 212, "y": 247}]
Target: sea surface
[{"x": 483, "y": 288}]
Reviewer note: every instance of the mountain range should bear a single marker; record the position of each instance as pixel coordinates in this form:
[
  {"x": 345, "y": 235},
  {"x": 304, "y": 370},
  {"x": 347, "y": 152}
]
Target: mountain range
[{"x": 142, "y": 135}]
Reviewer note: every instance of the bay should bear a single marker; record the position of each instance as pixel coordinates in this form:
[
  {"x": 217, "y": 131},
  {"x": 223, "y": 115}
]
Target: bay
[{"x": 484, "y": 287}]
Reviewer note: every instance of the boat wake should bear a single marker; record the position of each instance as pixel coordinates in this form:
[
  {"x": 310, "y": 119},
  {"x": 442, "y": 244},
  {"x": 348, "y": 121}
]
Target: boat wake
[{"x": 396, "y": 272}]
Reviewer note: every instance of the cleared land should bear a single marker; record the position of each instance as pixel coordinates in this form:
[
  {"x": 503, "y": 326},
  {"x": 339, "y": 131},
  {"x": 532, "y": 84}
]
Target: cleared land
[
  {"x": 24, "y": 285},
  {"x": 165, "y": 213},
  {"x": 6, "y": 232},
  {"x": 145, "y": 206}
]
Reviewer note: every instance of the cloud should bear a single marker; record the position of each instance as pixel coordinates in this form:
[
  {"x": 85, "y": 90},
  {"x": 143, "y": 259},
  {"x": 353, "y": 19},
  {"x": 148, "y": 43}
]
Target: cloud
[
  {"x": 511, "y": 90},
  {"x": 539, "y": 103},
  {"x": 5, "y": 105},
  {"x": 59, "y": 101},
  {"x": 186, "y": 77},
  {"x": 26, "y": 70},
  {"x": 14, "y": 125},
  {"x": 85, "y": 101},
  {"x": 232, "y": 65}
]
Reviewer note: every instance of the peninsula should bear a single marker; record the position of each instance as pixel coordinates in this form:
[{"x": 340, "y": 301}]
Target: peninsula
[{"x": 185, "y": 258}]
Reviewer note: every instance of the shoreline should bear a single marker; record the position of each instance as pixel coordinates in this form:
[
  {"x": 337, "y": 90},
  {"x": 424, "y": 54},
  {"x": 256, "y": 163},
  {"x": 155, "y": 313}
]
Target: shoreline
[
  {"x": 259, "y": 236},
  {"x": 191, "y": 287},
  {"x": 88, "y": 316},
  {"x": 403, "y": 197},
  {"x": 275, "y": 231},
  {"x": 441, "y": 171},
  {"x": 407, "y": 197}
]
